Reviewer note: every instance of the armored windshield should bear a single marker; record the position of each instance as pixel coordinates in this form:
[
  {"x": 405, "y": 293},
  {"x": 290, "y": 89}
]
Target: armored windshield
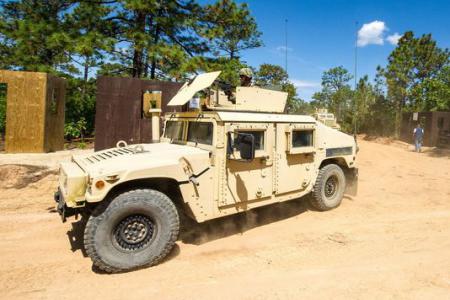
[
  {"x": 197, "y": 132},
  {"x": 174, "y": 130},
  {"x": 200, "y": 132}
]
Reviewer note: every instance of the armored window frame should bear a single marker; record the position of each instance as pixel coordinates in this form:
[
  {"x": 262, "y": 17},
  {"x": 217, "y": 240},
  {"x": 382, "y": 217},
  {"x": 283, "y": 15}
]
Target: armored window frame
[
  {"x": 262, "y": 151},
  {"x": 291, "y": 130},
  {"x": 259, "y": 136},
  {"x": 302, "y": 138}
]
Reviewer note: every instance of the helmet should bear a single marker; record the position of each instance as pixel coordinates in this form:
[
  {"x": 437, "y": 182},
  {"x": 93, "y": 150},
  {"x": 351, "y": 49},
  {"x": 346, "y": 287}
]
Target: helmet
[{"x": 246, "y": 72}]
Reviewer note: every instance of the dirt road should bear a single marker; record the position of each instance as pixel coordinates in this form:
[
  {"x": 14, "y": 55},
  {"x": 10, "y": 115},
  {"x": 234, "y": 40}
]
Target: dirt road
[{"x": 391, "y": 241}]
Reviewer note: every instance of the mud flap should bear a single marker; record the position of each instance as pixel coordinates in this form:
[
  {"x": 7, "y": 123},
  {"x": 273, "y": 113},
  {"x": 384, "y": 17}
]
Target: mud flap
[{"x": 352, "y": 182}]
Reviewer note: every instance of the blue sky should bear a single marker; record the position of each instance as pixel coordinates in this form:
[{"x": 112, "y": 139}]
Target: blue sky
[{"x": 321, "y": 34}]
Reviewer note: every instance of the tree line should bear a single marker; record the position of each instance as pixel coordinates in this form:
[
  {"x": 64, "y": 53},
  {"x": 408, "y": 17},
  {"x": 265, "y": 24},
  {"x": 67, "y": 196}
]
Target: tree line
[
  {"x": 154, "y": 39},
  {"x": 176, "y": 39},
  {"x": 416, "y": 78}
]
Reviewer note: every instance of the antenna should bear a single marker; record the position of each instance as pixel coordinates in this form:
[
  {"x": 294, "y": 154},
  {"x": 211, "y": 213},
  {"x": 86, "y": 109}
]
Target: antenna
[
  {"x": 356, "y": 54},
  {"x": 355, "y": 108},
  {"x": 286, "y": 46}
]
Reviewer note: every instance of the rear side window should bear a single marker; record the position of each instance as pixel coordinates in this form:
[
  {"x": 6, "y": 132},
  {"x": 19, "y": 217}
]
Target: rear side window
[
  {"x": 302, "y": 138},
  {"x": 200, "y": 132},
  {"x": 258, "y": 136}
]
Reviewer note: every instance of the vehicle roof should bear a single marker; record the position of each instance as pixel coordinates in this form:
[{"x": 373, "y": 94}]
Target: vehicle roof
[
  {"x": 242, "y": 116},
  {"x": 235, "y": 116}
]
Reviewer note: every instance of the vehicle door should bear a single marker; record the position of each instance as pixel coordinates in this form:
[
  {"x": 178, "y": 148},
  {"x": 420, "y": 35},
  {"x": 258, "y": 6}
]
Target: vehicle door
[
  {"x": 250, "y": 180},
  {"x": 295, "y": 150}
]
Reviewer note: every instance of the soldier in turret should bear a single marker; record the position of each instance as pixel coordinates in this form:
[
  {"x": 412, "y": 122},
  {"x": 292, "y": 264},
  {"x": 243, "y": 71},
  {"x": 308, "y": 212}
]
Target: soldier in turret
[{"x": 245, "y": 76}]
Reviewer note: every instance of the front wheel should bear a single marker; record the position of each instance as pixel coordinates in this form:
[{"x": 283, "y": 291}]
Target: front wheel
[
  {"x": 137, "y": 228},
  {"x": 329, "y": 188}
]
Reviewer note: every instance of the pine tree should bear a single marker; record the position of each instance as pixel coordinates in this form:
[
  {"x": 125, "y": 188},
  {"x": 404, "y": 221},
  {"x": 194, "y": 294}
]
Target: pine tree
[
  {"x": 411, "y": 68},
  {"x": 336, "y": 94},
  {"x": 156, "y": 38},
  {"x": 230, "y": 28},
  {"x": 91, "y": 35},
  {"x": 364, "y": 98},
  {"x": 34, "y": 36}
]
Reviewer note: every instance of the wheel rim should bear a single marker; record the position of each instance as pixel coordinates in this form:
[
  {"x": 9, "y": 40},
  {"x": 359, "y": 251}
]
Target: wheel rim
[
  {"x": 331, "y": 186},
  {"x": 134, "y": 232}
]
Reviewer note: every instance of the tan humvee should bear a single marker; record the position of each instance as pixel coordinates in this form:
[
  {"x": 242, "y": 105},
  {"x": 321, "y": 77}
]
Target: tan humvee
[
  {"x": 326, "y": 118},
  {"x": 220, "y": 160}
]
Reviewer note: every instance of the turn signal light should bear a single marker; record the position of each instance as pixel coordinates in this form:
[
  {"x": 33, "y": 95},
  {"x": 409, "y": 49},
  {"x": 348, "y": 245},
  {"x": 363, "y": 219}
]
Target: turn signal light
[{"x": 100, "y": 184}]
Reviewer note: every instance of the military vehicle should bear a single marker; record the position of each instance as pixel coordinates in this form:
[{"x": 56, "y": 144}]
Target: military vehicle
[
  {"x": 322, "y": 115},
  {"x": 221, "y": 159}
]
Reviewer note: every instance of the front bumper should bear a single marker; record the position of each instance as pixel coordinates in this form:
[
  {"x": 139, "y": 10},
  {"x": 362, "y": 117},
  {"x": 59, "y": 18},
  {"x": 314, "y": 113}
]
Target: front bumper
[{"x": 62, "y": 208}]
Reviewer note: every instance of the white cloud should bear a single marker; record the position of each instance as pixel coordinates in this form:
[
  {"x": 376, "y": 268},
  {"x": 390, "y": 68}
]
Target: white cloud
[
  {"x": 393, "y": 38},
  {"x": 304, "y": 84},
  {"x": 371, "y": 33},
  {"x": 284, "y": 48}
]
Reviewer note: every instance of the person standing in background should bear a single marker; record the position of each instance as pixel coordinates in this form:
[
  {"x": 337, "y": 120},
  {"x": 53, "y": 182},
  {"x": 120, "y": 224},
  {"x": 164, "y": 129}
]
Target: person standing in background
[{"x": 418, "y": 137}]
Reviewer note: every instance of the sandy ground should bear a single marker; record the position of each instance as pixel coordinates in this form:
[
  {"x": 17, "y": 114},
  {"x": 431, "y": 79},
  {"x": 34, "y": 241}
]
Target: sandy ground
[{"x": 392, "y": 241}]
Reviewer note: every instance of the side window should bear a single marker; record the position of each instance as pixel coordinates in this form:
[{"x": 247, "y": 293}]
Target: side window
[
  {"x": 259, "y": 137},
  {"x": 302, "y": 138}
]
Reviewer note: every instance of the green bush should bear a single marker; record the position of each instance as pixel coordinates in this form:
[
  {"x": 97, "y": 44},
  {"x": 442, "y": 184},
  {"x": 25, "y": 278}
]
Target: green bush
[
  {"x": 74, "y": 130},
  {"x": 82, "y": 145},
  {"x": 80, "y": 105}
]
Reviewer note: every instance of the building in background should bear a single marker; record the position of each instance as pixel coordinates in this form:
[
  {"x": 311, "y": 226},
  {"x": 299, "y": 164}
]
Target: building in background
[{"x": 436, "y": 126}]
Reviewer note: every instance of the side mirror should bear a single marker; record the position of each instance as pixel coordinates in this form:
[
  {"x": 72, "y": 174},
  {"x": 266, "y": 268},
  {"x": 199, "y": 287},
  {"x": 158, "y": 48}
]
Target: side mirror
[{"x": 245, "y": 144}]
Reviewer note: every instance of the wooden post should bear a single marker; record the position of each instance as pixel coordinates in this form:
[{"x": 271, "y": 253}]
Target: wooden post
[{"x": 34, "y": 111}]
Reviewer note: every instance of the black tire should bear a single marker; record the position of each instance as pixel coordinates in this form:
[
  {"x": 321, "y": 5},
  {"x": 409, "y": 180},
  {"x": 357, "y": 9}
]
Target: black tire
[
  {"x": 329, "y": 188},
  {"x": 135, "y": 229}
]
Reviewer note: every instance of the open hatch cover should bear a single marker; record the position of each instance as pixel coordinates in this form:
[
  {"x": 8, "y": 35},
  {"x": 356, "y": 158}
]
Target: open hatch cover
[{"x": 189, "y": 89}]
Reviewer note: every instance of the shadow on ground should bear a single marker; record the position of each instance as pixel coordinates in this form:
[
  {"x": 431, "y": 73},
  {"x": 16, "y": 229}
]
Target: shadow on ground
[
  {"x": 438, "y": 152},
  {"x": 200, "y": 233},
  {"x": 195, "y": 233},
  {"x": 76, "y": 236}
]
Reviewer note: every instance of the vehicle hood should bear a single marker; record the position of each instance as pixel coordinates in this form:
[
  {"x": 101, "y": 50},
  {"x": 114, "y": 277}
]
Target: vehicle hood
[{"x": 142, "y": 157}]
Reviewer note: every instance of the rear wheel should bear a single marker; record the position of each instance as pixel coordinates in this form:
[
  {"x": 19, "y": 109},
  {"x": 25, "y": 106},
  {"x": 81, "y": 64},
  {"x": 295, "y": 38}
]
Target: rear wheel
[
  {"x": 137, "y": 228},
  {"x": 329, "y": 188}
]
